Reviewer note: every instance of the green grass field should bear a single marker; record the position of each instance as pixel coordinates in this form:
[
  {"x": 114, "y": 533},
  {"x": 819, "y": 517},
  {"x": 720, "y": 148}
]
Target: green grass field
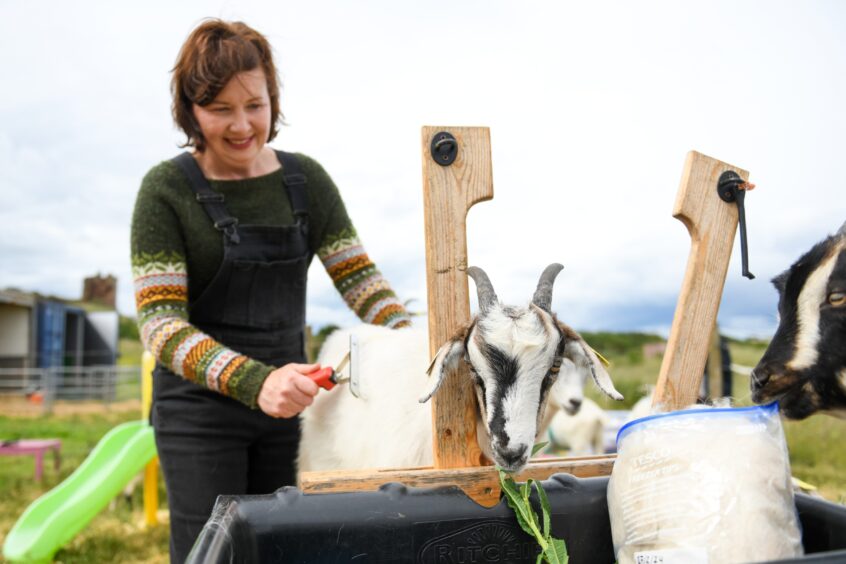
[
  {"x": 130, "y": 352},
  {"x": 113, "y": 536},
  {"x": 815, "y": 456},
  {"x": 119, "y": 535}
]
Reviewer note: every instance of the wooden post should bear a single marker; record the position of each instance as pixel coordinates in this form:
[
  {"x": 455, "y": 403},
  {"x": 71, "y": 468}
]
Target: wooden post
[
  {"x": 714, "y": 365},
  {"x": 151, "y": 470},
  {"x": 711, "y": 223},
  {"x": 448, "y": 193}
]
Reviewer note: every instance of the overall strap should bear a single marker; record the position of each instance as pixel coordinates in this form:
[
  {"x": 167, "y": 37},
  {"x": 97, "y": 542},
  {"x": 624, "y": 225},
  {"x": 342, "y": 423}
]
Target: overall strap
[
  {"x": 212, "y": 201},
  {"x": 295, "y": 183}
]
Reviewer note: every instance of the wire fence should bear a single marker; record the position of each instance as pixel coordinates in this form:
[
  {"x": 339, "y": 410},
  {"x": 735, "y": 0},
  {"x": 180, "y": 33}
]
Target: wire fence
[{"x": 104, "y": 383}]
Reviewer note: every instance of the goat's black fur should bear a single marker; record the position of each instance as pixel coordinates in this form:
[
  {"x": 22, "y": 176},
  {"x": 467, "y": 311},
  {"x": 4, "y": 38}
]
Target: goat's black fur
[{"x": 804, "y": 387}]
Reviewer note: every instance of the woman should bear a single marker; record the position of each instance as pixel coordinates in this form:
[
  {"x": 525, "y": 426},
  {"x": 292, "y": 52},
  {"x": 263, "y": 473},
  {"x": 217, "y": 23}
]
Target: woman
[{"x": 222, "y": 237}]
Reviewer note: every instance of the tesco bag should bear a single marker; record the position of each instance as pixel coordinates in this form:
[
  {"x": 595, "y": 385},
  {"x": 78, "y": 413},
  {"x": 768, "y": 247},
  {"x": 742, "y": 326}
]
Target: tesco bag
[{"x": 702, "y": 486}]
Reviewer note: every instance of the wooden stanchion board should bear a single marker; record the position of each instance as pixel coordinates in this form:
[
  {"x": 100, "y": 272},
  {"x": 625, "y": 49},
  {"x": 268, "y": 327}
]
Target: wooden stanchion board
[
  {"x": 711, "y": 223},
  {"x": 448, "y": 193},
  {"x": 480, "y": 483}
]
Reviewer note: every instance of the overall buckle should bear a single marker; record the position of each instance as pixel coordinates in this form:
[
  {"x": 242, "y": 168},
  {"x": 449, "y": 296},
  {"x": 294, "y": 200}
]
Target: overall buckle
[
  {"x": 295, "y": 178},
  {"x": 209, "y": 197},
  {"x": 229, "y": 227}
]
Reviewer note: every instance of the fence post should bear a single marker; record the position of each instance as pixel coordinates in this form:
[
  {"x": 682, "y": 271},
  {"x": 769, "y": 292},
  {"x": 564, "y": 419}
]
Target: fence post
[
  {"x": 48, "y": 384},
  {"x": 151, "y": 471},
  {"x": 711, "y": 224}
]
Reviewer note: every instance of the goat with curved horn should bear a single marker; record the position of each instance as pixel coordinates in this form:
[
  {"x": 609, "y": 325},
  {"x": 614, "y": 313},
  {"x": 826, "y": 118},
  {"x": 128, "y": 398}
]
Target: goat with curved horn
[
  {"x": 543, "y": 293},
  {"x": 484, "y": 288},
  {"x": 515, "y": 357}
]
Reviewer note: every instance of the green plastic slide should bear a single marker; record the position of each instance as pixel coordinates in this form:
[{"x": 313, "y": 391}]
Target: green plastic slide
[{"x": 54, "y": 518}]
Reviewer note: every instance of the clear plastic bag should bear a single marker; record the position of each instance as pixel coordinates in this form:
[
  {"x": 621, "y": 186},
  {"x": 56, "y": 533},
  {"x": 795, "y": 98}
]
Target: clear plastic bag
[{"x": 703, "y": 485}]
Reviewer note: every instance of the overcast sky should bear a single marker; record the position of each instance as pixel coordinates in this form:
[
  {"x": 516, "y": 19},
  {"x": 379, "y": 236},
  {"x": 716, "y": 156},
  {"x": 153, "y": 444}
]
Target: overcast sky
[{"x": 592, "y": 108}]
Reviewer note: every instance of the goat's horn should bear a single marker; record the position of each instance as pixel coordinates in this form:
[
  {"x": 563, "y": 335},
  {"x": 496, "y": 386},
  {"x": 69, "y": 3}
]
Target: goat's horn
[
  {"x": 842, "y": 231},
  {"x": 543, "y": 295},
  {"x": 487, "y": 296}
]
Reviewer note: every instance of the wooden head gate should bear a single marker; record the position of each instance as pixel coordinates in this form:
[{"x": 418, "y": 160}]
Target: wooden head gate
[{"x": 457, "y": 174}]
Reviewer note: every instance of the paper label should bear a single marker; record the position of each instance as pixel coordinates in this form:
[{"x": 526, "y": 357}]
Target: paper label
[{"x": 672, "y": 556}]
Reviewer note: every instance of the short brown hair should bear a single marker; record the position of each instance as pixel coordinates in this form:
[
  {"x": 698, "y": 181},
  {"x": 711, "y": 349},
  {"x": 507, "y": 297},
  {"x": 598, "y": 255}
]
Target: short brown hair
[{"x": 213, "y": 53}]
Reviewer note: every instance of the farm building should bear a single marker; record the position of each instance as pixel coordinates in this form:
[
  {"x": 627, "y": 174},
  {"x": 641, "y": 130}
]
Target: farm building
[
  {"x": 46, "y": 332},
  {"x": 18, "y": 338},
  {"x": 48, "y": 343}
]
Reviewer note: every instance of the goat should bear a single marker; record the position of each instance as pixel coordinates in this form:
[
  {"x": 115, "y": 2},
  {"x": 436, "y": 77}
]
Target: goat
[
  {"x": 643, "y": 406},
  {"x": 514, "y": 356},
  {"x": 804, "y": 366},
  {"x": 582, "y": 432}
]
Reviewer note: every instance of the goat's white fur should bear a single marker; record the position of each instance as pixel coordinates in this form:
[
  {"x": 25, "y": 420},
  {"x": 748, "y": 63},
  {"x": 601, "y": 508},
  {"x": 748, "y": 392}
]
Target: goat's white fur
[
  {"x": 808, "y": 309},
  {"x": 581, "y": 432},
  {"x": 388, "y": 427},
  {"x": 641, "y": 408}
]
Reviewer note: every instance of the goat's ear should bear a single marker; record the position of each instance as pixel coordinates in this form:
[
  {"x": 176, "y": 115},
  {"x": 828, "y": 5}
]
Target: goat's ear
[
  {"x": 584, "y": 358},
  {"x": 446, "y": 360}
]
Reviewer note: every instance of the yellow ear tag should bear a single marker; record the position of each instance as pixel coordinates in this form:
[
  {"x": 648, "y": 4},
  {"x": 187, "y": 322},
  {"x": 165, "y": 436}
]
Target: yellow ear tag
[
  {"x": 804, "y": 485},
  {"x": 601, "y": 358}
]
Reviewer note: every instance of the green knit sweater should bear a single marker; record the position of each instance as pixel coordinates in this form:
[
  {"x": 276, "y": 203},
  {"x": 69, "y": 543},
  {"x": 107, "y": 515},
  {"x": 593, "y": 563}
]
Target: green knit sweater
[{"x": 176, "y": 251}]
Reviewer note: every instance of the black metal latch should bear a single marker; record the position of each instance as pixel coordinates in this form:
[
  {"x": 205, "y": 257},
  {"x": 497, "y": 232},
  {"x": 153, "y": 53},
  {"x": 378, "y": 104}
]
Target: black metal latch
[
  {"x": 729, "y": 189},
  {"x": 444, "y": 148}
]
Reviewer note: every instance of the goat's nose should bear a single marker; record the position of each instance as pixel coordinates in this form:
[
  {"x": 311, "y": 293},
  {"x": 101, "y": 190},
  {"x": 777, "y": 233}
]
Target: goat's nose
[
  {"x": 575, "y": 404},
  {"x": 759, "y": 376},
  {"x": 513, "y": 457}
]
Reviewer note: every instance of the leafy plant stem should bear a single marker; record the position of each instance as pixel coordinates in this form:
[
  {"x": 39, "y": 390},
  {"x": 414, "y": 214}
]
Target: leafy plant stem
[{"x": 553, "y": 550}]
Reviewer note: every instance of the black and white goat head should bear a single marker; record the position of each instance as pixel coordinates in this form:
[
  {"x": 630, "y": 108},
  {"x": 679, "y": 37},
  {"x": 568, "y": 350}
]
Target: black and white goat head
[
  {"x": 804, "y": 367},
  {"x": 514, "y": 356}
]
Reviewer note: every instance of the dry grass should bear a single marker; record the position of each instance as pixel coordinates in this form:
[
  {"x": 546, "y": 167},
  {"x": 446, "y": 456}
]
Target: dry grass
[{"x": 25, "y": 409}]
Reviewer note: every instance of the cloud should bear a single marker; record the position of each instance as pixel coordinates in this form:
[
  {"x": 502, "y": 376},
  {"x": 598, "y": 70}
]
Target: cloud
[{"x": 591, "y": 108}]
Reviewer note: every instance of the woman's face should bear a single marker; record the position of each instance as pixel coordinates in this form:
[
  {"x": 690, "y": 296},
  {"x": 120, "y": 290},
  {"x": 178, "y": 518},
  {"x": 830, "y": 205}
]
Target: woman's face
[{"x": 236, "y": 125}]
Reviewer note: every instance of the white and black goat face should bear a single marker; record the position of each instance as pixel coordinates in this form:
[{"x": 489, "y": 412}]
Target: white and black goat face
[
  {"x": 804, "y": 367},
  {"x": 568, "y": 390},
  {"x": 514, "y": 356}
]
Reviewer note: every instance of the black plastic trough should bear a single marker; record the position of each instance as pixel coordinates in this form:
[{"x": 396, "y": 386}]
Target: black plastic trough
[{"x": 440, "y": 525}]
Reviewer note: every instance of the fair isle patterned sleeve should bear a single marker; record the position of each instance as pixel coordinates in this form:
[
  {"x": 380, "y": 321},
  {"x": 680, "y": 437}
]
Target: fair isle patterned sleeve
[
  {"x": 360, "y": 283},
  {"x": 161, "y": 295}
]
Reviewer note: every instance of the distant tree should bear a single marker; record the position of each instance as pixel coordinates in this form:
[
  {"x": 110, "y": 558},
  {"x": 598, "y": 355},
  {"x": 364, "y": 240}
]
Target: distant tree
[
  {"x": 128, "y": 328},
  {"x": 315, "y": 341},
  {"x": 620, "y": 345}
]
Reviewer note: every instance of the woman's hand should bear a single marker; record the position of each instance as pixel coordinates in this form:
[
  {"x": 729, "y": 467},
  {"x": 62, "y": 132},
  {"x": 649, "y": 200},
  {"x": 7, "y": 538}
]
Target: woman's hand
[{"x": 287, "y": 391}]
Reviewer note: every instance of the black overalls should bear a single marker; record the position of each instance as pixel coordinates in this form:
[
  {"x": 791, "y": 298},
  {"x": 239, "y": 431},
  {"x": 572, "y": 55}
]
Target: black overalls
[{"x": 210, "y": 444}]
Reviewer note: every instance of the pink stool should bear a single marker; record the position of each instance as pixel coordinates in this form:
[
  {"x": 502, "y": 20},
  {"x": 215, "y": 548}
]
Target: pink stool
[{"x": 35, "y": 447}]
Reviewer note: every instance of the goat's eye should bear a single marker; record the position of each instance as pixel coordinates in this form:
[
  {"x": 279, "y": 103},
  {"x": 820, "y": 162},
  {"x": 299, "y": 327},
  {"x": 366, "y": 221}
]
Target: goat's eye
[
  {"x": 837, "y": 298},
  {"x": 555, "y": 368}
]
